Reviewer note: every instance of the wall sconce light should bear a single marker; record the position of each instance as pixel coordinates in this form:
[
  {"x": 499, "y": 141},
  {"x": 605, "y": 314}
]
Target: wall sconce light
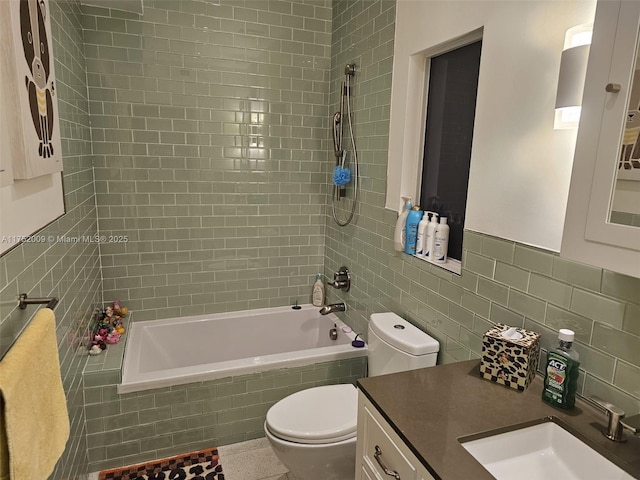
[{"x": 573, "y": 68}]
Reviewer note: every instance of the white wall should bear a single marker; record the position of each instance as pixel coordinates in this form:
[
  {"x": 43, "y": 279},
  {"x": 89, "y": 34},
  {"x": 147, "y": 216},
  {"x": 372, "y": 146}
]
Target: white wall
[{"x": 520, "y": 166}]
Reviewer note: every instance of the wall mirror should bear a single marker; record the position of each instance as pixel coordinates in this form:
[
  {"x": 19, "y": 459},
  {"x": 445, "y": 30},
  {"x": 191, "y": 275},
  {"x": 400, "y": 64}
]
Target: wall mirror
[
  {"x": 625, "y": 204},
  {"x": 601, "y": 221}
]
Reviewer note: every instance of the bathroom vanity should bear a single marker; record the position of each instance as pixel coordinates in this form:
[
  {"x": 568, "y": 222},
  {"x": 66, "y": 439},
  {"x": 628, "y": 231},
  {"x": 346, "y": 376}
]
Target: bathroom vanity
[
  {"x": 379, "y": 447},
  {"x": 417, "y": 418}
]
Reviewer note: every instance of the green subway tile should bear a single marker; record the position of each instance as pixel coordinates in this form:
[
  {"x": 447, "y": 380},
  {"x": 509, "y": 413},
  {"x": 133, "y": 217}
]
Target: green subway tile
[
  {"x": 451, "y": 292},
  {"x": 527, "y": 305},
  {"x": 577, "y": 273},
  {"x": 631, "y": 321},
  {"x": 473, "y": 241},
  {"x": 501, "y": 250},
  {"x": 138, "y": 432},
  {"x": 476, "y": 304},
  {"x": 111, "y": 24},
  {"x": 621, "y": 286},
  {"x": 493, "y": 291},
  {"x": 627, "y": 378},
  {"x": 186, "y": 409},
  {"x": 502, "y": 315},
  {"x": 557, "y": 318},
  {"x": 598, "y": 308},
  {"x": 534, "y": 260},
  {"x": 471, "y": 341},
  {"x": 596, "y": 362},
  {"x": 104, "y": 439},
  {"x": 550, "y": 290},
  {"x": 479, "y": 264},
  {"x": 617, "y": 343},
  {"x": 595, "y": 386},
  {"x": 441, "y": 304},
  {"x": 155, "y": 443},
  {"x": 154, "y": 415},
  {"x": 102, "y": 409},
  {"x": 512, "y": 276},
  {"x": 170, "y": 426},
  {"x": 467, "y": 280},
  {"x": 123, "y": 420}
]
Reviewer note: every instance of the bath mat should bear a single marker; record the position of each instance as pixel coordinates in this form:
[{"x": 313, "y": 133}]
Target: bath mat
[{"x": 200, "y": 465}]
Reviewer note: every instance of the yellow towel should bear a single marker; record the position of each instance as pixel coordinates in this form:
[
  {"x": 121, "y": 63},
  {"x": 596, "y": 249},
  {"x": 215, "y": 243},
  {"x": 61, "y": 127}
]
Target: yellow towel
[{"x": 35, "y": 409}]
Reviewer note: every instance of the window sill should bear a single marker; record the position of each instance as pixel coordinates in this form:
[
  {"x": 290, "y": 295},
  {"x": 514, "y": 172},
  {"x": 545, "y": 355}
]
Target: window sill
[{"x": 452, "y": 265}]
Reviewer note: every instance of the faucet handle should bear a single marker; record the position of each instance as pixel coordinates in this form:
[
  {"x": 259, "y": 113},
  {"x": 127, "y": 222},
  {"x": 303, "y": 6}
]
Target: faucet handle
[
  {"x": 632, "y": 424},
  {"x": 615, "y": 415}
]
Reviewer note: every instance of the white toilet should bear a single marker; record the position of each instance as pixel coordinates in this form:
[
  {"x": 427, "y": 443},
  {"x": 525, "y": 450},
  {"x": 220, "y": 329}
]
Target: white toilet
[{"x": 313, "y": 432}]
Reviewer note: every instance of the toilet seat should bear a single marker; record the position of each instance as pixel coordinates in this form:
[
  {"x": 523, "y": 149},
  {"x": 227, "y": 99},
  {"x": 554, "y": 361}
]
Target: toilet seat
[{"x": 326, "y": 414}]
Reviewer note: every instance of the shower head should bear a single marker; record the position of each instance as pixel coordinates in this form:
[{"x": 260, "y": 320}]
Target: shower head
[{"x": 350, "y": 69}]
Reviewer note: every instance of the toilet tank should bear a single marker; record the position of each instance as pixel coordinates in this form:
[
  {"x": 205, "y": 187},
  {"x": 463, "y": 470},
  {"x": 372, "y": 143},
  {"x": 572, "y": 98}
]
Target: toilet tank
[{"x": 395, "y": 345}]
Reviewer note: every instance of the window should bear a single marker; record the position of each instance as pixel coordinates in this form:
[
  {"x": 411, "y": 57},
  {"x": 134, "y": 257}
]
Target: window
[{"x": 450, "y": 114}]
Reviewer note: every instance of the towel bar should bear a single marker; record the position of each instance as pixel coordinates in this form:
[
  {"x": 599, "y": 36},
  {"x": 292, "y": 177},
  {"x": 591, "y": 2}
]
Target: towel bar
[{"x": 25, "y": 300}]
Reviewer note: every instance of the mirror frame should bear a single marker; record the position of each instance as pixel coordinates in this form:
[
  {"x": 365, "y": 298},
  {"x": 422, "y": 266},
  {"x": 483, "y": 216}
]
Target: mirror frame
[{"x": 589, "y": 236}]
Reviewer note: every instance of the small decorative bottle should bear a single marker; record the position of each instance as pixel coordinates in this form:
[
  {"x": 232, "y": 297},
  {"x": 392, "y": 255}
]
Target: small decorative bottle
[
  {"x": 318, "y": 292},
  {"x": 561, "y": 374}
]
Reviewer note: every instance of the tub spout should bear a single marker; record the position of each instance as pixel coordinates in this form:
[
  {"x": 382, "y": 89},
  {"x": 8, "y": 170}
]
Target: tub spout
[{"x": 334, "y": 307}]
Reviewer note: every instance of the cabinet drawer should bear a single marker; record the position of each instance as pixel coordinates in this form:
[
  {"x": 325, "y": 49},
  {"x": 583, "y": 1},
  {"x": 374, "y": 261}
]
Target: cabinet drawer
[{"x": 380, "y": 451}]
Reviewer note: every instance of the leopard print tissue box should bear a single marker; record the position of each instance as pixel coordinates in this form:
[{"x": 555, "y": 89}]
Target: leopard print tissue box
[{"x": 510, "y": 362}]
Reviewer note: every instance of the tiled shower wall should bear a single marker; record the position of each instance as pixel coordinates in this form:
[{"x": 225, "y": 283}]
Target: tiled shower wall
[
  {"x": 501, "y": 281},
  {"x": 70, "y": 271},
  {"x": 208, "y": 122}
]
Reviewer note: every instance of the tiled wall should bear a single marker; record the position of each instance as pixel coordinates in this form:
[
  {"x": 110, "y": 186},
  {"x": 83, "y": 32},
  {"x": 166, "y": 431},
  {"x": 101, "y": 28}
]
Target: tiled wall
[
  {"x": 208, "y": 121},
  {"x": 70, "y": 271},
  {"x": 151, "y": 424},
  {"x": 212, "y": 152},
  {"x": 501, "y": 281}
]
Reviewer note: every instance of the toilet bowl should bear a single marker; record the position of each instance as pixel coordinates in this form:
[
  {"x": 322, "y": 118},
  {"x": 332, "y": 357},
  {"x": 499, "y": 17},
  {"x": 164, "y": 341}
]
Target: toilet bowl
[{"x": 313, "y": 431}]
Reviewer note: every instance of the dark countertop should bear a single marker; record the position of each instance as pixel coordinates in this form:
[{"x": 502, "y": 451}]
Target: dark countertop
[{"x": 432, "y": 407}]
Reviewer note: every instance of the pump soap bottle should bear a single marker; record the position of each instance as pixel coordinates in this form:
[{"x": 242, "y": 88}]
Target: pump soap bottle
[
  {"x": 440, "y": 242},
  {"x": 429, "y": 236},
  {"x": 400, "y": 232},
  {"x": 318, "y": 292},
  {"x": 413, "y": 219},
  {"x": 561, "y": 374},
  {"x": 422, "y": 235}
]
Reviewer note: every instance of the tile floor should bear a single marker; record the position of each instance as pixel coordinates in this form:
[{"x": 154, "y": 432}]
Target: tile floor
[{"x": 250, "y": 460}]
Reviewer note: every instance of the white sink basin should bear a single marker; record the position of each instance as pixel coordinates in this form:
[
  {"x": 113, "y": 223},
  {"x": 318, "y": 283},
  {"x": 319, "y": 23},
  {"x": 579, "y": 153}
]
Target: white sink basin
[{"x": 541, "y": 451}]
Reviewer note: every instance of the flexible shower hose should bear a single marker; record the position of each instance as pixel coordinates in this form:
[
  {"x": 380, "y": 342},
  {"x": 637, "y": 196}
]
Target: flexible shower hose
[{"x": 356, "y": 175}]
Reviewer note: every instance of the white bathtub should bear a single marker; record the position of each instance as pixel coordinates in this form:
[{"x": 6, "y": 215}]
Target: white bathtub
[{"x": 175, "y": 351}]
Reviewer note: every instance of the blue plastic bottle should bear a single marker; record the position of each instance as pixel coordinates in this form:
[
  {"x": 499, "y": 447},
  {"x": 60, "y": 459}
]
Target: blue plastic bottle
[{"x": 413, "y": 220}]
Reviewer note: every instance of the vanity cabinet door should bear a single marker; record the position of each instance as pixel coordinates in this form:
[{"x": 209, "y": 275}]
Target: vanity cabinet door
[
  {"x": 591, "y": 234},
  {"x": 379, "y": 447}
]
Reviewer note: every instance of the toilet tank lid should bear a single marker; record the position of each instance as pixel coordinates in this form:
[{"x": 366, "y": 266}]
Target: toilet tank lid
[{"x": 401, "y": 334}]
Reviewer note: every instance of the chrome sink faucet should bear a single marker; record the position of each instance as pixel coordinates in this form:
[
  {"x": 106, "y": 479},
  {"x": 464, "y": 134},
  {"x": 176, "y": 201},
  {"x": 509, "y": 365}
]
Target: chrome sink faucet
[
  {"x": 616, "y": 420},
  {"x": 334, "y": 307}
]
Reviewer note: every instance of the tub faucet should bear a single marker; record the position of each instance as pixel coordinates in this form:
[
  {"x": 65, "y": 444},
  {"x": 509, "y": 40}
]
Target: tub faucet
[
  {"x": 341, "y": 279},
  {"x": 334, "y": 307}
]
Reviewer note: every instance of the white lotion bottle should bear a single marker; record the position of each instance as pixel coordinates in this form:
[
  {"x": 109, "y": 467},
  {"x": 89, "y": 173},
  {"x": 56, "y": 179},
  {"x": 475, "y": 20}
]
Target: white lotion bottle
[
  {"x": 441, "y": 241},
  {"x": 422, "y": 235},
  {"x": 430, "y": 236},
  {"x": 317, "y": 297},
  {"x": 400, "y": 232}
]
